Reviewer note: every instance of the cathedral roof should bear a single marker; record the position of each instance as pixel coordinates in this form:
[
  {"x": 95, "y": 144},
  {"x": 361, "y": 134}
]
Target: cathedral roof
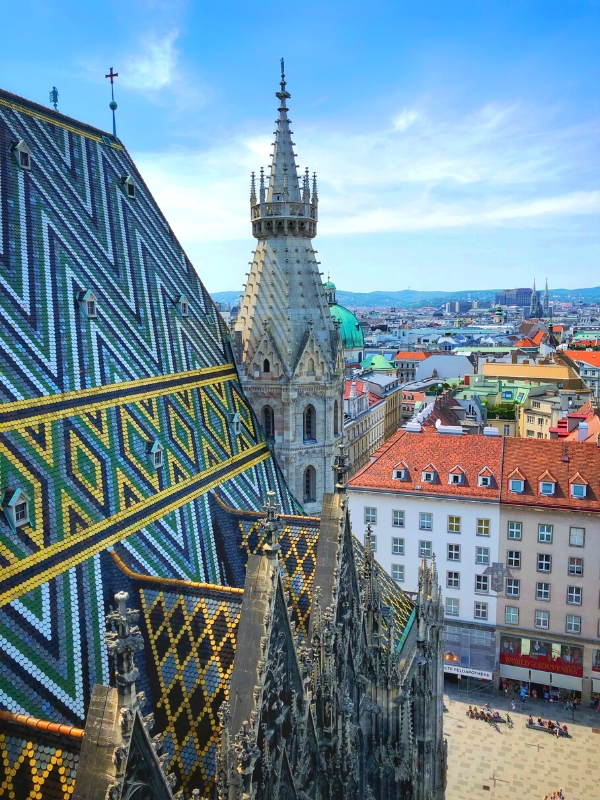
[
  {"x": 350, "y": 329},
  {"x": 109, "y": 345}
]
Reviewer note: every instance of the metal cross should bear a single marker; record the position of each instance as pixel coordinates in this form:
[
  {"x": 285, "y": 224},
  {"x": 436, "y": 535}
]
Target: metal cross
[{"x": 112, "y": 75}]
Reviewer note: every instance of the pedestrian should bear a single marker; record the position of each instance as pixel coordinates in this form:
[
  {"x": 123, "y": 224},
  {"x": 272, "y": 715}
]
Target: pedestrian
[
  {"x": 560, "y": 794},
  {"x": 598, "y": 707},
  {"x": 546, "y": 696},
  {"x": 534, "y": 694},
  {"x": 513, "y": 705}
]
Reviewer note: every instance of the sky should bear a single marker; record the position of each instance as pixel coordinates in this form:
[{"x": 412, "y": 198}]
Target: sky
[{"x": 456, "y": 143}]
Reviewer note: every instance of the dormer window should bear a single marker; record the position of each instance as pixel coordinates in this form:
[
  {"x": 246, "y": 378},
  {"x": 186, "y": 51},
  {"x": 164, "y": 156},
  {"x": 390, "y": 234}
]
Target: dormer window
[
  {"x": 183, "y": 305},
  {"x": 578, "y": 490},
  {"x": 128, "y": 185},
  {"x": 400, "y": 471},
  {"x": 236, "y": 423},
  {"x": 485, "y": 479},
  {"x": 89, "y": 303},
  {"x": 156, "y": 453},
  {"x": 428, "y": 477},
  {"x": 15, "y": 503},
  {"x": 456, "y": 476},
  {"x": 547, "y": 487},
  {"x": 517, "y": 486},
  {"x": 22, "y": 154}
]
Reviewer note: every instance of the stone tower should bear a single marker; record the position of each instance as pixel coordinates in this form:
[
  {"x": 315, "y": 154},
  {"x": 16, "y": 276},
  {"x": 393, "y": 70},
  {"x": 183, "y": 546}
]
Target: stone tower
[{"x": 288, "y": 347}]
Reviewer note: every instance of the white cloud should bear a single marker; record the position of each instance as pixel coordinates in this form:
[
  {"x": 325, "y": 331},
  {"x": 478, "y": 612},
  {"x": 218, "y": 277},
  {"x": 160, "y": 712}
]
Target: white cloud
[
  {"x": 501, "y": 165},
  {"x": 155, "y": 66},
  {"x": 405, "y": 119}
]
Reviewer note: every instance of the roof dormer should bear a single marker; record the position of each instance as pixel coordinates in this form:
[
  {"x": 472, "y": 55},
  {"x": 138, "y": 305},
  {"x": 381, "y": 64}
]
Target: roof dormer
[
  {"x": 182, "y": 304},
  {"x": 516, "y": 481},
  {"x": 400, "y": 471},
  {"x": 456, "y": 476},
  {"x": 128, "y": 185},
  {"x": 429, "y": 473},
  {"x": 485, "y": 478},
  {"x": 15, "y": 504},
  {"x": 578, "y": 486},
  {"x": 22, "y": 154},
  {"x": 89, "y": 303},
  {"x": 546, "y": 484}
]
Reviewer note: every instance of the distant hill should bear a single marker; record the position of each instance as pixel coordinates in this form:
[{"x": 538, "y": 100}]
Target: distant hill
[{"x": 410, "y": 298}]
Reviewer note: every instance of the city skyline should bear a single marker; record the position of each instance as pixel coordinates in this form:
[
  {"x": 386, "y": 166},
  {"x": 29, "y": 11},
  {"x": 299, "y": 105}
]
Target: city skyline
[{"x": 458, "y": 139}]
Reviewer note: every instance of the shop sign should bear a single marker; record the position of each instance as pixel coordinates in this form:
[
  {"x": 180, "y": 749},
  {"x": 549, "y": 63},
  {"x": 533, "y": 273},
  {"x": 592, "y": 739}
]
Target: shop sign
[
  {"x": 468, "y": 672},
  {"x": 544, "y": 666}
]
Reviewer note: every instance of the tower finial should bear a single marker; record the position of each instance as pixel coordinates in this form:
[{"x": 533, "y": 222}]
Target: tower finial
[
  {"x": 54, "y": 97},
  {"x": 112, "y": 105},
  {"x": 252, "y": 189},
  {"x": 282, "y": 69}
]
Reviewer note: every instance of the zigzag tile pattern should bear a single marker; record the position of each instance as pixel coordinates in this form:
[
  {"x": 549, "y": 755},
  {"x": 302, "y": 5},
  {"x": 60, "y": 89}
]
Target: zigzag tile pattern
[{"x": 82, "y": 398}]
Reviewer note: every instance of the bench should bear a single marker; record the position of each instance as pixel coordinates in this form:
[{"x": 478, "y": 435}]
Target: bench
[{"x": 545, "y": 729}]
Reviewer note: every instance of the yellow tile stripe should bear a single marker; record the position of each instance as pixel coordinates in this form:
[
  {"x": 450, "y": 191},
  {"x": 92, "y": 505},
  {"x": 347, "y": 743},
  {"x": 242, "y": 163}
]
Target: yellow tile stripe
[
  {"x": 58, "y": 122},
  {"x": 51, "y": 553},
  {"x": 38, "y": 406}
]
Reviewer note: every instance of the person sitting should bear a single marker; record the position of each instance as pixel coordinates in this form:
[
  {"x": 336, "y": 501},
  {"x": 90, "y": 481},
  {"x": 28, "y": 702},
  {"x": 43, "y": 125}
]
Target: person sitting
[
  {"x": 495, "y": 715},
  {"x": 470, "y": 712},
  {"x": 550, "y": 725},
  {"x": 565, "y": 730},
  {"x": 540, "y": 721},
  {"x": 530, "y": 720}
]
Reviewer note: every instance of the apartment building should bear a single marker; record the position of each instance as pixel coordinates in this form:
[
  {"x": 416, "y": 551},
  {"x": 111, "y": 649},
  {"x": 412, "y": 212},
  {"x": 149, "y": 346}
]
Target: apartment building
[
  {"x": 587, "y": 362},
  {"x": 432, "y": 493},
  {"x": 549, "y": 614},
  {"x": 364, "y": 417}
]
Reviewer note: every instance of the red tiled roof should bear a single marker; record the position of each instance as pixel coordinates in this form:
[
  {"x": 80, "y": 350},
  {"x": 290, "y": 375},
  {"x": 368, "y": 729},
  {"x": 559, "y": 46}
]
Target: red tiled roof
[
  {"x": 526, "y": 342},
  {"x": 531, "y": 457},
  {"x": 547, "y": 476},
  {"x": 537, "y": 339},
  {"x": 407, "y": 355},
  {"x": 587, "y": 356},
  {"x": 472, "y": 453},
  {"x": 360, "y": 389}
]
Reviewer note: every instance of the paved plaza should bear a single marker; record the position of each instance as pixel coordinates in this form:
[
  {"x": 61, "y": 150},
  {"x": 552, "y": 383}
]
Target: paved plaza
[{"x": 519, "y": 762}]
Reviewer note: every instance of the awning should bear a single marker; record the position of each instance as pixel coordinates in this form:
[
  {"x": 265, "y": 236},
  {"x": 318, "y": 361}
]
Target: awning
[
  {"x": 595, "y": 684},
  {"x": 516, "y": 673},
  {"x": 567, "y": 682}
]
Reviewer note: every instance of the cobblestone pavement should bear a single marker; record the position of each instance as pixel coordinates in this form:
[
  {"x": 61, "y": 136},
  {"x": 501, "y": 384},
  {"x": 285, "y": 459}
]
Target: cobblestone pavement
[{"x": 520, "y": 763}]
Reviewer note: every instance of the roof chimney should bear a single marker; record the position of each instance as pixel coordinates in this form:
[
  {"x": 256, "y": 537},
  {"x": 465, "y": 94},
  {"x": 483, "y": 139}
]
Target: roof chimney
[{"x": 582, "y": 432}]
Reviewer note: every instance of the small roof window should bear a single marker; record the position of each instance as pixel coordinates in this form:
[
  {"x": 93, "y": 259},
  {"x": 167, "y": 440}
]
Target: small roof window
[
  {"x": 156, "y": 452},
  {"x": 128, "y": 185},
  {"x": 547, "y": 484},
  {"x": 15, "y": 503},
  {"x": 428, "y": 475},
  {"x": 400, "y": 471},
  {"x": 485, "y": 477},
  {"x": 456, "y": 476},
  {"x": 22, "y": 154},
  {"x": 182, "y": 304},
  {"x": 89, "y": 303},
  {"x": 578, "y": 486},
  {"x": 236, "y": 423}
]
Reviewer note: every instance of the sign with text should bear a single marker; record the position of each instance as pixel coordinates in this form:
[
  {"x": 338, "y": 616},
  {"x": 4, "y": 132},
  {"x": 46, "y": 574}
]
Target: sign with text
[
  {"x": 545, "y": 666},
  {"x": 481, "y": 674}
]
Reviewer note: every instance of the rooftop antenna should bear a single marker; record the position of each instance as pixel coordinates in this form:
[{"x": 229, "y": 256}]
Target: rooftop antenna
[
  {"x": 112, "y": 105},
  {"x": 54, "y": 97}
]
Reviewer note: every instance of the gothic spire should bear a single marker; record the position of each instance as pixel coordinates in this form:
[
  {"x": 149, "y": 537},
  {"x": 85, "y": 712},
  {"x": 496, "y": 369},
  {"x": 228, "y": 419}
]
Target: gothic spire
[{"x": 283, "y": 166}]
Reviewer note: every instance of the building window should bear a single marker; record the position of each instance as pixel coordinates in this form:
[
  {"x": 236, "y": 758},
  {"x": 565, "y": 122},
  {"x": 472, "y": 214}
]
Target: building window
[
  {"x": 513, "y": 587},
  {"x": 269, "y": 422},
  {"x": 398, "y": 572},
  {"x": 542, "y": 591},
  {"x": 425, "y": 521},
  {"x": 573, "y": 624},
  {"x": 425, "y": 548},
  {"x": 370, "y": 516},
  {"x": 373, "y": 543},
  {"x": 576, "y": 566},
  {"x": 128, "y": 185},
  {"x": 542, "y": 619},
  {"x": 398, "y": 546},
  {"x": 536, "y": 404},
  {"x": 453, "y": 552},
  {"x": 482, "y": 555},
  {"x": 530, "y": 419},
  {"x": 516, "y": 486},
  {"x": 482, "y": 584},
  {"x": 515, "y": 530},
  {"x": 507, "y": 430},
  {"x": 235, "y": 421},
  {"x": 156, "y": 452},
  {"x": 453, "y": 524},
  {"x": 310, "y": 427},
  {"x": 453, "y": 580},
  {"x": 530, "y": 433},
  {"x": 513, "y": 559},
  {"x": 545, "y": 533},
  {"x": 547, "y": 488},
  {"x": 452, "y": 606},
  {"x": 455, "y": 478},
  {"x": 22, "y": 154},
  {"x": 484, "y": 480},
  {"x": 15, "y": 504},
  {"x": 577, "y": 537},
  {"x": 400, "y": 474},
  {"x": 310, "y": 485},
  {"x": 398, "y": 519},
  {"x": 511, "y": 615},
  {"x": 481, "y": 610},
  {"x": 578, "y": 490},
  {"x": 428, "y": 477},
  {"x": 266, "y": 365},
  {"x": 544, "y": 562},
  {"x": 483, "y": 527},
  {"x": 574, "y": 595},
  {"x": 89, "y": 303}
]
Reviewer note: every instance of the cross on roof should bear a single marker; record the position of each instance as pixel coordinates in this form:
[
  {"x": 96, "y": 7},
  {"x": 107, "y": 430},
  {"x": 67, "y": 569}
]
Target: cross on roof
[{"x": 112, "y": 75}]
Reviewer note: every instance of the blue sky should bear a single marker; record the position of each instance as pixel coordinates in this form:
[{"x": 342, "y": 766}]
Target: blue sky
[{"x": 456, "y": 143}]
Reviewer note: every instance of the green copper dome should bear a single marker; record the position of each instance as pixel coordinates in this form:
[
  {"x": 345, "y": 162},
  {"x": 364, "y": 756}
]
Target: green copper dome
[
  {"x": 350, "y": 330},
  {"x": 329, "y": 285},
  {"x": 377, "y": 363}
]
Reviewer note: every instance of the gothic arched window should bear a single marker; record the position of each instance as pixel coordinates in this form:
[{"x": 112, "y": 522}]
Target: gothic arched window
[
  {"x": 336, "y": 419},
  {"x": 310, "y": 423},
  {"x": 311, "y": 366},
  {"x": 310, "y": 485},
  {"x": 266, "y": 365},
  {"x": 269, "y": 422}
]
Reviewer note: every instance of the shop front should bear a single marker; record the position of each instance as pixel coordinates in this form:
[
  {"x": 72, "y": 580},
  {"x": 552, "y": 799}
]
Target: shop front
[
  {"x": 595, "y": 694},
  {"x": 543, "y": 667}
]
